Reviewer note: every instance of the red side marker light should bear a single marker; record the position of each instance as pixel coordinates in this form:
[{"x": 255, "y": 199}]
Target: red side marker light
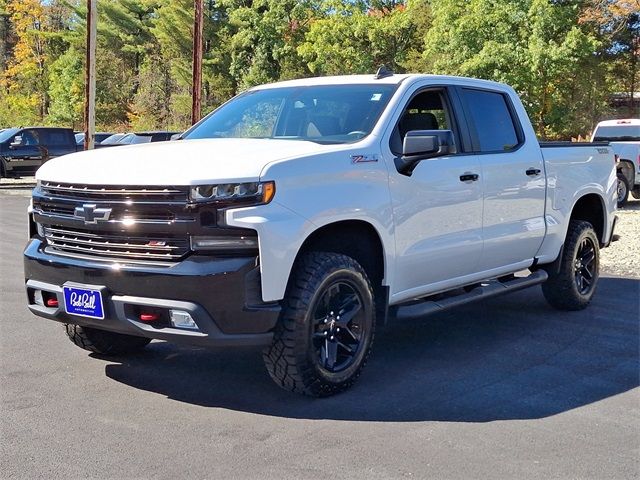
[
  {"x": 52, "y": 302},
  {"x": 149, "y": 317}
]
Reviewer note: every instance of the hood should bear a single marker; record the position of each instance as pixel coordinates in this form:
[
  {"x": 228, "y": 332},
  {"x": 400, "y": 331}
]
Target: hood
[{"x": 183, "y": 162}]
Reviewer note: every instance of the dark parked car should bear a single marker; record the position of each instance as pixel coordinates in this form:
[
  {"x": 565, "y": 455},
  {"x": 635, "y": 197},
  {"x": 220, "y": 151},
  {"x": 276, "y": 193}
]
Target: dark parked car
[
  {"x": 24, "y": 150},
  {"x": 100, "y": 136}
]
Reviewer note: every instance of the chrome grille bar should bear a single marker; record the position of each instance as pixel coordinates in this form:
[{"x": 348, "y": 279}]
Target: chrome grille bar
[{"x": 116, "y": 246}]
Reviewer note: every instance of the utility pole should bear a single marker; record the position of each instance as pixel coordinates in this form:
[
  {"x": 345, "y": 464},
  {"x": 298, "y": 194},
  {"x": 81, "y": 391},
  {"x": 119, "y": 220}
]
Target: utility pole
[
  {"x": 90, "y": 77},
  {"x": 196, "y": 93}
]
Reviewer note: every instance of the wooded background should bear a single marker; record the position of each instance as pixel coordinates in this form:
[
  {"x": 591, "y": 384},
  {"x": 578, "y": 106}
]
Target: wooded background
[{"x": 568, "y": 59}]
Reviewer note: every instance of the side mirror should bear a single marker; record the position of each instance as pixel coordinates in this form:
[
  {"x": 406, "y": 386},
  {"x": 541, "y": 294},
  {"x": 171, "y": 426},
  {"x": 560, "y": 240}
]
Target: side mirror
[
  {"x": 420, "y": 145},
  {"x": 16, "y": 142}
]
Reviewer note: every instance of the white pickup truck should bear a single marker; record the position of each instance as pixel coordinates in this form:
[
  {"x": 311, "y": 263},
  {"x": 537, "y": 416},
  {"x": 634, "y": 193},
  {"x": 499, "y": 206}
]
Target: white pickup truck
[
  {"x": 299, "y": 214},
  {"x": 624, "y": 138}
]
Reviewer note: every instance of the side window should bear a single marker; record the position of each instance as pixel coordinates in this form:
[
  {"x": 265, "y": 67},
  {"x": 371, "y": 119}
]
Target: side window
[
  {"x": 26, "y": 138},
  {"x": 55, "y": 137},
  {"x": 493, "y": 121},
  {"x": 425, "y": 111}
]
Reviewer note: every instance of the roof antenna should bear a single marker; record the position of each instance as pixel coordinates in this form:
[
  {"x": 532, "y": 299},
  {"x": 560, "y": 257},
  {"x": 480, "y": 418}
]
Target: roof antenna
[{"x": 383, "y": 72}]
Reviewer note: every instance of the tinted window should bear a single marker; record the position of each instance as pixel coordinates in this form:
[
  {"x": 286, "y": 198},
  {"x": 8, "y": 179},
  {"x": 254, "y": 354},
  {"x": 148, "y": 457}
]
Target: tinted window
[
  {"x": 55, "y": 137},
  {"x": 492, "y": 119},
  {"x": 624, "y": 133}
]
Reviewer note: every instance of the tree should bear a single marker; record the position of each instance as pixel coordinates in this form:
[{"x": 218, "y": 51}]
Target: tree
[
  {"x": 25, "y": 77},
  {"x": 617, "y": 24},
  {"x": 358, "y": 37},
  {"x": 536, "y": 46},
  {"x": 66, "y": 90}
]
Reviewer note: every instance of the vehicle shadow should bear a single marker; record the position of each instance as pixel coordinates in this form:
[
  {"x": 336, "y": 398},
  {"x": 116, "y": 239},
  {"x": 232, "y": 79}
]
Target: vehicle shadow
[{"x": 508, "y": 358}]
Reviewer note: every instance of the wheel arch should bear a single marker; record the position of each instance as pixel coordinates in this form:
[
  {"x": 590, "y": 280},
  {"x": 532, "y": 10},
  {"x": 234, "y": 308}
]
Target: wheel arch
[
  {"x": 627, "y": 168},
  {"x": 357, "y": 239},
  {"x": 591, "y": 208}
]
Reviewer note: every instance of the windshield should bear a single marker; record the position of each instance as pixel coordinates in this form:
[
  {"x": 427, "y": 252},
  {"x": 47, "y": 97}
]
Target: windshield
[
  {"x": 113, "y": 139},
  {"x": 8, "y": 133},
  {"x": 321, "y": 113},
  {"x": 139, "y": 139},
  {"x": 621, "y": 133}
]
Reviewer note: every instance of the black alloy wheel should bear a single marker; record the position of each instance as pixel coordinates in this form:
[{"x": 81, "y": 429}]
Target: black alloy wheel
[
  {"x": 584, "y": 266},
  {"x": 572, "y": 282},
  {"x": 324, "y": 334},
  {"x": 338, "y": 327}
]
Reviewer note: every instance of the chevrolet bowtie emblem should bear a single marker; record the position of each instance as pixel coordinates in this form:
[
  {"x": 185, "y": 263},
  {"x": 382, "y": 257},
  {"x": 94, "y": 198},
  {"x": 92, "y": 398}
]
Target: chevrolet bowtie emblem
[{"x": 90, "y": 214}]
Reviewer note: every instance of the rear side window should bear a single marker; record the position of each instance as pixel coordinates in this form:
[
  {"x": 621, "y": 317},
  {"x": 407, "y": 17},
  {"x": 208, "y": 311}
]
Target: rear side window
[
  {"x": 492, "y": 119},
  {"x": 55, "y": 137}
]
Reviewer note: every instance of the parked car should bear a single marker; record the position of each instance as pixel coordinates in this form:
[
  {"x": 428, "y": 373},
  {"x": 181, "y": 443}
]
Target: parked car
[
  {"x": 99, "y": 137},
  {"x": 24, "y": 150},
  {"x": 113, "y": 139},
  {"x": 624, "y": 138},
  {"x": 301, "y": 213},
  {"x": 140, "y": 137}
]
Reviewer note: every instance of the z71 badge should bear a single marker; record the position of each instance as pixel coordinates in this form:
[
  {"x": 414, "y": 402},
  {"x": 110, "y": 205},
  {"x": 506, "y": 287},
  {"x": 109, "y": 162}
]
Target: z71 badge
[{"x": 364, "y": 158}]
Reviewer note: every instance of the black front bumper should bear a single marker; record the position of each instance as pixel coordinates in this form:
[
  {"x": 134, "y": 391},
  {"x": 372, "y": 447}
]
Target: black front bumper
[{"x": 222, "y": 295}]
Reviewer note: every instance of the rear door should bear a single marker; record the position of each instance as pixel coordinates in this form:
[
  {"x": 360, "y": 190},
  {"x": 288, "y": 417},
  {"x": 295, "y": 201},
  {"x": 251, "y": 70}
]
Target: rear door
[
  {"x": 513, "y": 225},
  {"x": 57, "y": 141}
]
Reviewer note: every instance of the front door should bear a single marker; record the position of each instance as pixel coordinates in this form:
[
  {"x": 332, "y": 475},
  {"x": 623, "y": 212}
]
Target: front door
[{"x": 438, "y": 209}]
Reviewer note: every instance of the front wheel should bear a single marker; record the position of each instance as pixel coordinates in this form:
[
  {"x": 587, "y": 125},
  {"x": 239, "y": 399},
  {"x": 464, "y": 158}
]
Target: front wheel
[
  {"x": 623, "y": 189},
  {"x": 636, "y": 193},
  {"x": 324, "y": 334},
  {"x": 573, "y": 286}
]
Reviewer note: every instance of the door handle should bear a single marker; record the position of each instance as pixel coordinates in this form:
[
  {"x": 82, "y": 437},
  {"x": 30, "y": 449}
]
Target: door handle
[
  {"x": 469, "y": 177},
  {"x": 532, "y": 172}
]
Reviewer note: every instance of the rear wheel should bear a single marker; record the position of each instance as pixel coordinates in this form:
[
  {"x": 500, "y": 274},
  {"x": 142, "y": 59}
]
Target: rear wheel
[
  {"x": 573, "y": 286},
  {"x": 103, "y": 342},
  {"x": 623, "y": 189},
  {"x": 636, "y": 193},
  {"x": 324, "y": 334}
]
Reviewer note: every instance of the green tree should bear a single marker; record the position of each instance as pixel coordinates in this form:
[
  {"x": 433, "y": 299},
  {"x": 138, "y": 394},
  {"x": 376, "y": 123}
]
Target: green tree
[
  {"x": 357, "y": 37},
  {"x": 536, "y": 46},
  {"x": 66, "y": 89}
]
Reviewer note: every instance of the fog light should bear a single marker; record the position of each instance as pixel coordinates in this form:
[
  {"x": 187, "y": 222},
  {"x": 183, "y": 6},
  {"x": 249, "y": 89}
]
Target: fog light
[
  {"x": 37, "y": 298},
  {"x": 182, "y": 319}
]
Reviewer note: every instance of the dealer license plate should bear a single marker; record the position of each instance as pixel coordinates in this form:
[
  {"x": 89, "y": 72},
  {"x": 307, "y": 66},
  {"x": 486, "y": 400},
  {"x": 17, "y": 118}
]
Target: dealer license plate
[{"x": 83, "y": 301}]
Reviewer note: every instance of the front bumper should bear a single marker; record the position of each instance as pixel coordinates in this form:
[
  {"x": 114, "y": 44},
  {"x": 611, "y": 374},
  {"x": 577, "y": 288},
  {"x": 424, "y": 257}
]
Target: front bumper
[{"x": 221, "y": 294}]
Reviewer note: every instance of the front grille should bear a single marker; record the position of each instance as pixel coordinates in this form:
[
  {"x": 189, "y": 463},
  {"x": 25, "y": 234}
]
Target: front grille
[
  {"x": 119, "y": 212},
  {"x": 136, "y": 223},
  {"x": 115, "y": 193},
  {"x": 116, "y": 246}
]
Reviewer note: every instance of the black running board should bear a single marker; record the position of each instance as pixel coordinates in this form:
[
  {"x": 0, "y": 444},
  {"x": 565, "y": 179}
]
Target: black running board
[{"x": 489, "y": 289}]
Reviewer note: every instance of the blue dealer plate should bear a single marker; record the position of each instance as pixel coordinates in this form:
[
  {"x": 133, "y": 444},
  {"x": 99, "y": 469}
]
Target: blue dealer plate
[{"x": 83, "y": 301}]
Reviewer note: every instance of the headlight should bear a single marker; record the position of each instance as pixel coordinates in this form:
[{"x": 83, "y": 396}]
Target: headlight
[{"x": 250, "y": 192}]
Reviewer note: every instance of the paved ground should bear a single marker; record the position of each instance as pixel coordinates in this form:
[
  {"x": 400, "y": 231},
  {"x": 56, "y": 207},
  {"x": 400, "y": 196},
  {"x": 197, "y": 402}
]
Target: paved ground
[{"x": 505, "y": 389}]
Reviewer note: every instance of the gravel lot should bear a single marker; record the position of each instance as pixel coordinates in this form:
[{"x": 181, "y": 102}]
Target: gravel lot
[{"x": 623, "y": 257}]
